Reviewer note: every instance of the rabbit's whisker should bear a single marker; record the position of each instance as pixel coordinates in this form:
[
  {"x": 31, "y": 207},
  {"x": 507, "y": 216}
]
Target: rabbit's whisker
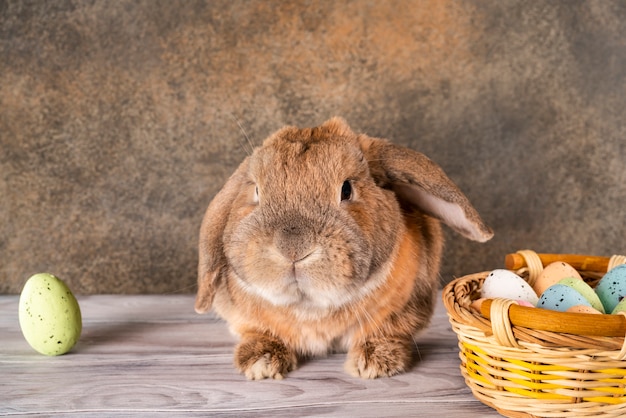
[
  {"x": 248, "y": 142},
  {"x": 417, "y": 349}
]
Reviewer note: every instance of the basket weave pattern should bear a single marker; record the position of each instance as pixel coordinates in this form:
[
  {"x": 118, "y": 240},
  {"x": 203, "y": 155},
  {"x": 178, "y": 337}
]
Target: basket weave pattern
[{"x": 524, "y": 372}]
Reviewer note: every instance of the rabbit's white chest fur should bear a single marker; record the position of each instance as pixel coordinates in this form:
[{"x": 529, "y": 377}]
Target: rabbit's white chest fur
[
  {"x": 313, "y": 319},
  {"x": 315, "y": 330},
  {"x": 307, "y": 300}
]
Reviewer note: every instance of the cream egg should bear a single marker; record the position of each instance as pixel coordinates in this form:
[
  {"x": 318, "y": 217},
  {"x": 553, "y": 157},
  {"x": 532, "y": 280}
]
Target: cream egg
[{"x": 552, "y": 274}]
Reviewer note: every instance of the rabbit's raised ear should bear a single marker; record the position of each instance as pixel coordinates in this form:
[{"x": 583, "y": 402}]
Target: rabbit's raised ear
[
  {"x": 212, "y": 260},
  {"x": 420, "y": 182}
]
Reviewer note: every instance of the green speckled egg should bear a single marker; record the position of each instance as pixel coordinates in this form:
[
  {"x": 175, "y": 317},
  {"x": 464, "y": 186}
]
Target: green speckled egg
[{"x": 49, "y": 315}]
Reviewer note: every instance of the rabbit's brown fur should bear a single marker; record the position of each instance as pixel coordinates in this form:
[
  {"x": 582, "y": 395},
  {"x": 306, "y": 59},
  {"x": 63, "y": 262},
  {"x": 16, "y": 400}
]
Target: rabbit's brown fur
[{"x": 327, "y": 240}]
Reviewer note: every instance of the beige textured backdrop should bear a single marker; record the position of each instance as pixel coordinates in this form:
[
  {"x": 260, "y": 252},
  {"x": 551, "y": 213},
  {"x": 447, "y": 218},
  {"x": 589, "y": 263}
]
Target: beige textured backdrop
[{"x": 118, "y": 120}]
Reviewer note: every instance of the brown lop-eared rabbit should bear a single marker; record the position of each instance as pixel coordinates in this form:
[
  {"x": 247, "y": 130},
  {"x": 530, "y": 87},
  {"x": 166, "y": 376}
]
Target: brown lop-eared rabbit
[{"x": 326, "y": 240}]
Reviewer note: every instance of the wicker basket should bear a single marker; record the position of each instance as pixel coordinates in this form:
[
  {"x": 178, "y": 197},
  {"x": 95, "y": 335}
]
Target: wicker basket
[{"x": 530, "y": 362}]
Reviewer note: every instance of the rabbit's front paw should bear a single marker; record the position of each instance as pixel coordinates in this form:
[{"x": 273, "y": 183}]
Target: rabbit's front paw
[
  {"x": 261, "y": 356},
  {"x": 379, "y": 357}
]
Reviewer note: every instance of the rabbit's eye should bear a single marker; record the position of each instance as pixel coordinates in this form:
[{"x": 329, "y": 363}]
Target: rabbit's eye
[
  {"x": 346, "y": 190},
  {"x": 256, "y": 194}
]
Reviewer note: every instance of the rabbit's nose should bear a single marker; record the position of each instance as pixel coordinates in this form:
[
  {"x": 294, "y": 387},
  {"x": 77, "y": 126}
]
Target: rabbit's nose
[{"x": 294, "y": 242}]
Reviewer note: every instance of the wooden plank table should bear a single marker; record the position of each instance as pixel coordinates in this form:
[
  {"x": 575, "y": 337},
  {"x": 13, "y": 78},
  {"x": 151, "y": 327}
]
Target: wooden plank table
[{"x": 153, "y": 356}]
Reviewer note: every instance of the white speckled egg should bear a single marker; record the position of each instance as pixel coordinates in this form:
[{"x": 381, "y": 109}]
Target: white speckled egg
[
  {"x": 551, "y": 275},
  {"x": 560, "y": 297},
  {"x": 612, "y": 287},
  {"x": 501, "y": 283},
  {"x": 49, "y": 315}
]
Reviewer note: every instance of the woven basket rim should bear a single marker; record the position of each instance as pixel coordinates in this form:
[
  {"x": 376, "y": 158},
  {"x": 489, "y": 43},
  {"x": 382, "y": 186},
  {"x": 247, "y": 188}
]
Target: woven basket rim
[{"x": 459, "y": 293}]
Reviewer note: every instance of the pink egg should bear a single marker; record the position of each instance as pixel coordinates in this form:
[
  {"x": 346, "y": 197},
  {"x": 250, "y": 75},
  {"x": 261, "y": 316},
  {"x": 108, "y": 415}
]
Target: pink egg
[{"x": 552, "y": 274}]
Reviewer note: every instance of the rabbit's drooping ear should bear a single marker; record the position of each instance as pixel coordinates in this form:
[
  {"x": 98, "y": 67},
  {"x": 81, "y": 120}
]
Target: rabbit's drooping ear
[
  {"x": 420, "y": 182},
  {"x": 212, "y": 260}
]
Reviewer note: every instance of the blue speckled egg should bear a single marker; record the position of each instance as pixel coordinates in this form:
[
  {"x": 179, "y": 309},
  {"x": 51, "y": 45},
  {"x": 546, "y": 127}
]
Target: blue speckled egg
[
  {"x": 560, "y": 297},
  {"x": 612, "y": 288}
]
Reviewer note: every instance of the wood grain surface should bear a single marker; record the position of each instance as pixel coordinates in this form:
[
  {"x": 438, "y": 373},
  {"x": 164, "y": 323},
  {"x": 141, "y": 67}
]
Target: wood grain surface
[{"x": 153, "y": 356}]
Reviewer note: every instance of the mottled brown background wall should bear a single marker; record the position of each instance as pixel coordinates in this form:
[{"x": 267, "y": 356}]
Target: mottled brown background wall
[{"x": 118, "y": 120}]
